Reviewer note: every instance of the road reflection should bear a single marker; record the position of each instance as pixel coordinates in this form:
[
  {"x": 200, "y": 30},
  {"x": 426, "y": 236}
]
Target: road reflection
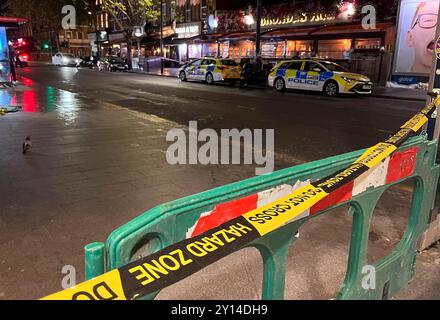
[{"x": 44, "y": 99}]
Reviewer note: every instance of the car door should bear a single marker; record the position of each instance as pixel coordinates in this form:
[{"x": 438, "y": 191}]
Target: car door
[
  {"x": 203, "y": 69},
  {"x": 193, "y": 69},
  {"x": 313, "y": 72},
  {"x": 61, "y": 59},
  {"x": 294, "y": 75},
  {"x": 57, "y": 59}
]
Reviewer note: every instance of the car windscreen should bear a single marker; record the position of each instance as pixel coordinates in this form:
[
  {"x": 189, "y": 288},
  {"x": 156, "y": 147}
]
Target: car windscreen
[
  {"x": 334, "y": 67},
  {"x": 71, "y": 56},
  {"x": 117, "y": 60},
  {"x": 229, "y": 63}
]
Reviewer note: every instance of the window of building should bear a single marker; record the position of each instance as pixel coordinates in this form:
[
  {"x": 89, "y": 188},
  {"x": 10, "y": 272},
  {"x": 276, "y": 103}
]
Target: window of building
[
  {"x": 204, "y": 8},
  {"x": 334, "y": 49},
  {"x": 210, "y": 49},
  {"x": 367, "y": 43},
  {"x": 302, "y": 48},
  {"x": 242, "y": 49},
  {"x": 156, "y": 22},
  {"x": 275, "y": 49},
  {"x": 188, "y": 12},
  {"x": 80, "y": 35},
  {"x": 195, "y": 16},
  {"x": 103, "y": 21},
  {"x": 164, "y": 13},
  {"x": 194, "y": 51},
  {"x": 224, "y": 49},
  {"x": 210, "y": 6},
  {"x": 173, "y": 10},
  {"x": 68, "y": 34}
]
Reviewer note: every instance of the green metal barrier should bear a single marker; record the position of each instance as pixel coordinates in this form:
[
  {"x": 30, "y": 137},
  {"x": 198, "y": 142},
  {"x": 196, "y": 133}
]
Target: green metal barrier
[{"x": 168, "y": 224}]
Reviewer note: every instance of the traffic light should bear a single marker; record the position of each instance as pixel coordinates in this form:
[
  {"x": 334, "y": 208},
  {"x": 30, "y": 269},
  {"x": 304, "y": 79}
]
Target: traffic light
[{"x": 45, "y": 45}]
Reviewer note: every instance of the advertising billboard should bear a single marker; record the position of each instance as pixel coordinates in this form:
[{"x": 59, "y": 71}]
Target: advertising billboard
[
  {"x": 5, "y": 69},
  {"x": 416, "y": 37}
]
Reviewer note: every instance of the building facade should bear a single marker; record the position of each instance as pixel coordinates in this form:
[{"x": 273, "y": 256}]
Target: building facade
[
  {"x": 302, "y": 29},
  {"x": 197, "y": 28}
]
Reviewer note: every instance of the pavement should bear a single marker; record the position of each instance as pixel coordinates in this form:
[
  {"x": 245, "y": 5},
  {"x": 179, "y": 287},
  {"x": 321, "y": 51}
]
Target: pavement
[
  {"x": 400, "y": 93},
  {"x": 167, "y": 72},
  {"x": 98, "y": 161}
]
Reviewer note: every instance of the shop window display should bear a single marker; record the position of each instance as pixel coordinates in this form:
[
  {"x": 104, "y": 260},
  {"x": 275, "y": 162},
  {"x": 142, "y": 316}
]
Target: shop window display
[
  {"x": 334, "y": 49},
  {"x": 301, "y": 48}
]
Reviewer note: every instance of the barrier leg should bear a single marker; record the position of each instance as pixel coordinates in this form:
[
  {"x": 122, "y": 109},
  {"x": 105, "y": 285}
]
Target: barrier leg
[
  {"x": 275, "y": 249},
  {"x": 94, "y": 260}
]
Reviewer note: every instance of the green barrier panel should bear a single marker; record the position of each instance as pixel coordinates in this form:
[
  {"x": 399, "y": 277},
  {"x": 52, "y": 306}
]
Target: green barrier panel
[{"x": 168, "y": 224}]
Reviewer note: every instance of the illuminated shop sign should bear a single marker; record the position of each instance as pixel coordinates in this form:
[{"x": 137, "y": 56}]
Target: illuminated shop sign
[
  {"x": 301, "y": 19},
  {"x": 284, "y": 16},
  {"x": 188, "y": 30}
]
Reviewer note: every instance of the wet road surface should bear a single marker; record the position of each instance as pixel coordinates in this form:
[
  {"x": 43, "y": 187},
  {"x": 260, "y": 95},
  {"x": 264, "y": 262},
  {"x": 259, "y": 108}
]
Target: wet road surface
[{"x": 308, "y": 126}]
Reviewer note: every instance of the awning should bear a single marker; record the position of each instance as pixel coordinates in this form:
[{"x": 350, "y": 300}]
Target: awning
[
  {"x": 207, "y": 38},
  {"x": 342, "y": 30},
  {"x": 203, "y": 38},
  {"x": 11, "y": 22},
  {"x": 351, "y": 29},
  {"x": 237, "y": 36},
  {"x": 288, "y": 32}
]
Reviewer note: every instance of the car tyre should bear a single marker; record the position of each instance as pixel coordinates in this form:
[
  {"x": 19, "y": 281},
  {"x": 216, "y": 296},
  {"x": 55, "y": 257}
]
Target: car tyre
[
  {"x": 331, "y": 88},
  {"x": 279, "y": 84},
  {"x": 182, "y": 76},
  {"x": 209, "y": 78}
]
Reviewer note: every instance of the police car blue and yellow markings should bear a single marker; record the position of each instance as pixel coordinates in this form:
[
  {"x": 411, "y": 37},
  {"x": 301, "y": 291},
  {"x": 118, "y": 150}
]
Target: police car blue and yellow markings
[
  {"x": 314, "y": 80},
  {"x": 221, "y": 69},
  {"x": 281, "y": 72},
  {"x": 174, "y": 263}
]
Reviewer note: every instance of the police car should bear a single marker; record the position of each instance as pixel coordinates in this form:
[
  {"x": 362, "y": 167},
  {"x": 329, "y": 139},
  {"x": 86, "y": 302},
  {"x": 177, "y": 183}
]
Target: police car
[
  {"x": 211, "y": 70},
  {"x": 318, "y": 75}
]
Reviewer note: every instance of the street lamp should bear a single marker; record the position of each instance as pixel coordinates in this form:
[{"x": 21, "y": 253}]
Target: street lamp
[{"x": 138, "y": 33}]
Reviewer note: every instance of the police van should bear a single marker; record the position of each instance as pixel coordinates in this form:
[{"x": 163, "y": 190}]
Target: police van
[
  {"x": 318, "y": 75},
  {"x": 211, "y": 70}
]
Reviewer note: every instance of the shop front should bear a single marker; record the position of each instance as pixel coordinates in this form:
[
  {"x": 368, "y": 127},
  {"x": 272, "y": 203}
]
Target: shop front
[
  {"x": 180, "y": 46},
  {"x": 361, "y": 50},
  {"x": 300, "y": 31},
  {"x": 239, "y": 45}
]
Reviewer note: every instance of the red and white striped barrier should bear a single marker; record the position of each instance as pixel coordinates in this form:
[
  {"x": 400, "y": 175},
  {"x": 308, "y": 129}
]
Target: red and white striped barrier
[{"x": 397, "y": 167}]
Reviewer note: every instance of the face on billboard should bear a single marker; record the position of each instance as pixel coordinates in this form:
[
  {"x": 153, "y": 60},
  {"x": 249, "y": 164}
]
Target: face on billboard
[{"x": 417, "y": 27}]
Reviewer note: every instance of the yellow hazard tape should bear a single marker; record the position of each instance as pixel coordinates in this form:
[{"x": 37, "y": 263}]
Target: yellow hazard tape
[
  {"x": 172, "y": 264},
  {"x": 272, "y": 216},
  {"x": 107, "y": 287}
]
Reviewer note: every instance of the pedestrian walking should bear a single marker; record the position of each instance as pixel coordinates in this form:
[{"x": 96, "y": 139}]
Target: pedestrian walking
[{"x": 12, "y": 66}]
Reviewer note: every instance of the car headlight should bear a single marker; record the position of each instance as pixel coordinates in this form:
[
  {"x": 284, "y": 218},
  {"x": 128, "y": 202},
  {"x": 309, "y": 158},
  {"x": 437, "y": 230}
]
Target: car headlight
[{"x": 348, "y": 79}]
